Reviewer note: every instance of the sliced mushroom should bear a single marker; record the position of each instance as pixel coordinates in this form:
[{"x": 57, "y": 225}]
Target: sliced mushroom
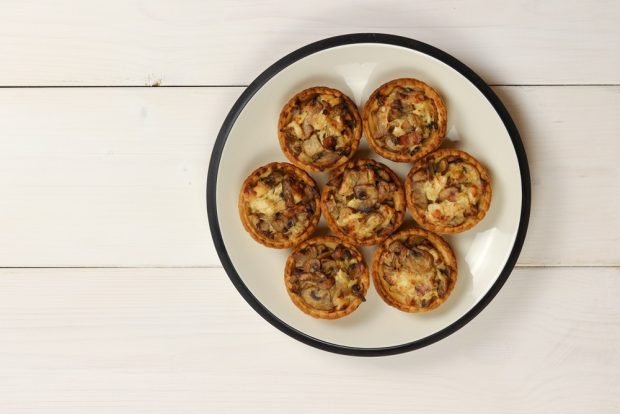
[
  {"x": 379, "y": 122},
  {"x": 442, "y": 166},
  {"x": 383, "y": 174},
  {"x": 317, "y": 298},
  {"x": 358, "y": 291},
  {"x": 413, "y": 241},
  {"x": 287, "y": 193},
  {"x": 392, "y": 143},
  {"x": 366, "y": 176},
  {"x": 348, "y": 182},
  {"x": 326, "y": 283},
  {"x": 263, "y": 226},
  {"x": 327, "y": 158},
  {"x": 295, "y": 129},
  {"x": 364, "y": 206},
  {"x": 420, "y": 175},
  {"x": 329, "y": 267},
  {"x": 307, "y": 128},
  {"x": 418, "y": 261},
  {"x": 304, "y": 255},
  {"x": 278, "y": 225},
  {"x": 442, "y": 281},
  {"x": 384, "y": 191},
  {"x": 342, "y": 253},
  {"x": 312, "y": 265},
  {"x": 312, "y": 146},
  {"x": 322, "y": 251},
  {"x": 396, "y": 247},
  {"x": 365, "y": 192}
]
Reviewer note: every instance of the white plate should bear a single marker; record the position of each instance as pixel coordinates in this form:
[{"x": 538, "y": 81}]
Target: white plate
[{"x": 477, "y": 123}]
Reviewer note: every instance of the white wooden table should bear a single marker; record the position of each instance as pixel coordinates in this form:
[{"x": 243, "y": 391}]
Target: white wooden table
[{"x": 112, "y": 299}]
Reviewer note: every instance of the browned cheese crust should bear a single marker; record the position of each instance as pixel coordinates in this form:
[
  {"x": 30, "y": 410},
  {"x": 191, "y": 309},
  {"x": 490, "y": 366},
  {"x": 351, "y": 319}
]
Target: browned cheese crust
[
  {"x": 364, "y": 202},
  {"x": 326, "y": 277},
  {"x": 319, "y": 129},
  {"x": 449, "y": 191},
  {"x": 404, "y": 120},
  {"x": 279, "y": 205},
  {"x": 414, "y": 270}
]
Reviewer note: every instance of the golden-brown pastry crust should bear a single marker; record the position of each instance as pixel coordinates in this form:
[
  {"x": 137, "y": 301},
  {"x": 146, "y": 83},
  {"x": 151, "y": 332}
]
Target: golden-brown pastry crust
[
  {"x": 279, "y": 205},
  {"x": 319, "y": 129},
  {"x": 404, "y": 120},
  {"x": 326, "y": 277},
  {"x": 448, "y": 191},
  {"x": 363, "y": 202},
  {"x": 414, "y": 270}
]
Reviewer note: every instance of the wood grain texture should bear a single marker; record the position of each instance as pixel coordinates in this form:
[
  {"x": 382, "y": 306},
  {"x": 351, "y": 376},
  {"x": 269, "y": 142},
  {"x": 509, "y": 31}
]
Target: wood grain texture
[
  {"x": 116, "y": 177},
  {"x": 184, "y": 341},
  {"x": 222, "y": 42}
]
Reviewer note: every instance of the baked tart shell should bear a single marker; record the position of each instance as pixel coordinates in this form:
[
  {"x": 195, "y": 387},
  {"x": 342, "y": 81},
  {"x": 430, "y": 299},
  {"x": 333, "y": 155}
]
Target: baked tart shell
[
  {"x": 398, "y": 199},
  {"x": 483, "y": 198},
  {"x": 433, "y": 141},
  {"x": 246, "y": 195},
  {"x": 354, "y": 295},
  {"x": 330, "y": 159},
  {"x": 442, "y": 247}
]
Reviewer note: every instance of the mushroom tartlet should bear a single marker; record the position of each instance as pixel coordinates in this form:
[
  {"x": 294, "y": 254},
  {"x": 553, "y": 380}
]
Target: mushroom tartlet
[
  {"x": 326, "y": 277},
  {"x": 404, "y": 120},
  {"x": 364, "y": 202},
  {"x": 279, "y": 205},
  {"x": 449, "y": 191},
  {"x": 319, "y": 129},
  {"x": 414, "y": 270}
]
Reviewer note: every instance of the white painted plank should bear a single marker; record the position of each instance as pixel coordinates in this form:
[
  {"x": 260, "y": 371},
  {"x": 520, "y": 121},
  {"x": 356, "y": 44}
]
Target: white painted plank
[
  {"x": 183, "y": 340},
  {"x": 107, "y": 176},
  {"x": 116, "y": 177},
  {"x": 136, "y": 42},
  {"x": 571, "y": 139}
]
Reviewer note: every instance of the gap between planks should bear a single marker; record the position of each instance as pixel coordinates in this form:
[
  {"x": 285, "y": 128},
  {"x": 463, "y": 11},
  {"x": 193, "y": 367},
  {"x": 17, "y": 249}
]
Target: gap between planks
[
  {"x": 614, "y": 266},
  {"x": 603, "y": 85}
]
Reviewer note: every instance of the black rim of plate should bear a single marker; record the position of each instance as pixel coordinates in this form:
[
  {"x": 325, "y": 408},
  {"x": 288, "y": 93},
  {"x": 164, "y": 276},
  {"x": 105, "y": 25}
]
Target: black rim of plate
[{"x": 310, "y": 49}]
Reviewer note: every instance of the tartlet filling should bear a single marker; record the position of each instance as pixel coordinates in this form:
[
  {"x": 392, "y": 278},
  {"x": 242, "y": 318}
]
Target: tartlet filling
[
  {"x": 320, "y": 130},
  {"x": 403, "y": 119},
  {"x": 280, "y": 205},
  {"x": 328, "y": 276},
  {"x": 364, "y": 200},
  {"x": 447, "y": 190},
  {"x": 414, "y": 272}
]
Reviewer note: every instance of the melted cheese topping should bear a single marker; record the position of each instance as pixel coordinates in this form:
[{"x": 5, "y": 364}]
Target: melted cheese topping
[
  {"x": 267, "y": 201},
  {"x": 448, "y": 191},
  {"x": 414, "y": 272},
  {"x": 364, "y": 200},
  {"x": 328, "y": 276},
  {"x": 320, "y": 130},
  {"x": 280, "y": 205},
  {"x": 403, "y": 119}
]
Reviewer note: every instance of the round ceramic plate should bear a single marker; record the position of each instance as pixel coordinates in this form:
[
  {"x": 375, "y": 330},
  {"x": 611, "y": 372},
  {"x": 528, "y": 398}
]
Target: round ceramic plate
[{"x": 477, "y": 123}]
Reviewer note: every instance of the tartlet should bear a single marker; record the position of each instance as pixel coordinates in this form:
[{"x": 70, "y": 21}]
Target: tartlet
[
  {"x": 326, "y": 277},
  {"x": 449, "y": 191},
  {"x": 319, "y": 129},
  {"x": 279, "y": 205},
  {"x": 414, "y": 270},
  {"x": 404, "y": 120},
  {"x": 364, "y": 202}
]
